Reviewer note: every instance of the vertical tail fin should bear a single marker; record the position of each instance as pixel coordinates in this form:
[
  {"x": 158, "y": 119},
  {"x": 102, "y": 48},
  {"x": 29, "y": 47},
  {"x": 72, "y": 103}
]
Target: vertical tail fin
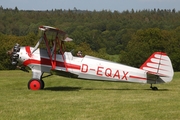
[{"x": 159, "y": 64}]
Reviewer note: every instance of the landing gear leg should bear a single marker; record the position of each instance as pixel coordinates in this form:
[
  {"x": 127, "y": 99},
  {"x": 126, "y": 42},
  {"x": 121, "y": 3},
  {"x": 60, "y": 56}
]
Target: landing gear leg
[
  {"x": 153, "y": 88},
  {"x": 43, "y": 84}
]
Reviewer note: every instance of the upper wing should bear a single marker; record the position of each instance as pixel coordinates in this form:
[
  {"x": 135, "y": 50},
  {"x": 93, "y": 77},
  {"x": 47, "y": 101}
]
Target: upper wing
[{"x": 53, "y": 29}]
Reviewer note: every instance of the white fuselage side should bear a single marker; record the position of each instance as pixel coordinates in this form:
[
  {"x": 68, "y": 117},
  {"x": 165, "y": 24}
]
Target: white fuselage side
[{"x": 87, "y": 67}]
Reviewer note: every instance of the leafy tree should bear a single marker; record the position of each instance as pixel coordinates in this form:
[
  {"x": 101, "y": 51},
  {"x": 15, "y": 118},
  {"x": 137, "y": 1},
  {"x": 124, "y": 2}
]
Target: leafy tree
[
  {"x": 143, "y": 44},
  {"x": 134, "y": 35}
]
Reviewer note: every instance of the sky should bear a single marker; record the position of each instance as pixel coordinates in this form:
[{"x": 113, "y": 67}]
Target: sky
[{"x": 98, "y": 5}]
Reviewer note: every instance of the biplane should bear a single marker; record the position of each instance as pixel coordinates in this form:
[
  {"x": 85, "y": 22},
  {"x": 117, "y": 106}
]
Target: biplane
[{"x": 49, "y": 55}]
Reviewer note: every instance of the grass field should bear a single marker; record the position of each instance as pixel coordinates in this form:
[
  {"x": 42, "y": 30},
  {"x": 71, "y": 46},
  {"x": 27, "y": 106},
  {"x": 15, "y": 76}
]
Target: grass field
[{"x": 73, "y": 99}]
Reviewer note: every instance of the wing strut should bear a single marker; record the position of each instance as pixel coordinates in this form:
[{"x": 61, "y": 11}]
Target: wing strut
[
  {"x": 58, "y": 41},
  {"x": 62, "y": 47},
  {"x": 53, "y": 62}
]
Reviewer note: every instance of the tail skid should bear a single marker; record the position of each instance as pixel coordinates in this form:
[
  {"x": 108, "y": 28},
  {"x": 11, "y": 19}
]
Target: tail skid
[{"x": 159, "y": 68}]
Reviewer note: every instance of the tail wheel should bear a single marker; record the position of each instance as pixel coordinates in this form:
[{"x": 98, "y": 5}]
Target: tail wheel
[
  {"x": 35, "y": 84},
  {"x": 153, "y": 88}
]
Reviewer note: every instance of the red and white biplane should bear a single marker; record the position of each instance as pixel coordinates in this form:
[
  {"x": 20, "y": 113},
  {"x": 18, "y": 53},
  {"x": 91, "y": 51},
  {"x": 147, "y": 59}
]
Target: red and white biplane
[{"x": 50, "y": 55}]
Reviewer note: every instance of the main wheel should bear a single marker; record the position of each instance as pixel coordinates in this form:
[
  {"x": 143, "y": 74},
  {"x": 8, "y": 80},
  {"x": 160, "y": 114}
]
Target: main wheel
[{"x": 35, "y": 84}]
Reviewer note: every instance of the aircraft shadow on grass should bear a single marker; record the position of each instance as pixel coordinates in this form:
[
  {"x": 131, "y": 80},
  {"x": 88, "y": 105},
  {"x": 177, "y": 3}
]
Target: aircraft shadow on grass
[
  {"x": 62, "y": 88},
  {"x": 68, "y": 88}
]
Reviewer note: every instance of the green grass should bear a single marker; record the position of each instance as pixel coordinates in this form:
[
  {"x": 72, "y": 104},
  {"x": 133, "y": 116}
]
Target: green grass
[{"x": 73, "y": 99}]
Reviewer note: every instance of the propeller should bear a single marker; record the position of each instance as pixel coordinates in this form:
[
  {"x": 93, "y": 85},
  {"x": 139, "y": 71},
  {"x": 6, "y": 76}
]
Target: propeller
[{"x": 13, "y": 53}]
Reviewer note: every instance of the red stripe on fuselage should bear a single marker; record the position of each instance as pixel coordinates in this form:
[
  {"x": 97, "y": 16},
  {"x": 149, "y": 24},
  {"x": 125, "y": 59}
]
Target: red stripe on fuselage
[
  {"x": 45, "y": 61},
  {"x": 28, "y": 50},
  {"x": 31, "y": 61},
  {"x": 73, "y": 66},
  {"x": 137, "y": 77}
]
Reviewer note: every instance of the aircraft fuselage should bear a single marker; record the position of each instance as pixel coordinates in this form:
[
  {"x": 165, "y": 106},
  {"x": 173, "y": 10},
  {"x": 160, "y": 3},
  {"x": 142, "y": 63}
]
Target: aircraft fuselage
[{"x": 87, "y": 67}]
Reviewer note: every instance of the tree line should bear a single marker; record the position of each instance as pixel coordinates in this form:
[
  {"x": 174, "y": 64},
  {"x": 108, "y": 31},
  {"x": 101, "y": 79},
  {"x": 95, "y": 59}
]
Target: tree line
[{"x": 127, "y": 37}]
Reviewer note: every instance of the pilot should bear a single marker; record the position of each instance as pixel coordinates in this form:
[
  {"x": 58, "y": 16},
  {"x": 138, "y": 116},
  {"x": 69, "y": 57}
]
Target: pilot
[{"x": 79, "y": 54}]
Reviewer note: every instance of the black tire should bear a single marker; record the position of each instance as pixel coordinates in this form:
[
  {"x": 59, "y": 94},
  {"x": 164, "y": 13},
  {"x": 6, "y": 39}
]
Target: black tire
[
  {"x": 43, "y": 84},
  {"x": 154, "y": 88}
]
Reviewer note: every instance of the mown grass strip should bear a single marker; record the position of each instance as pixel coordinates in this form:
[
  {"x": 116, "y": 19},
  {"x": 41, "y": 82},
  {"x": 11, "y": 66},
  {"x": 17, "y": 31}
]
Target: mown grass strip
[{"x": 73, "y": 99}]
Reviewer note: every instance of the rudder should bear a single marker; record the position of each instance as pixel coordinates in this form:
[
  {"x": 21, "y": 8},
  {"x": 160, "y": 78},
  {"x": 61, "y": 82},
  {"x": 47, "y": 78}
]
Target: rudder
[{"x": 159, "y": 65}]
